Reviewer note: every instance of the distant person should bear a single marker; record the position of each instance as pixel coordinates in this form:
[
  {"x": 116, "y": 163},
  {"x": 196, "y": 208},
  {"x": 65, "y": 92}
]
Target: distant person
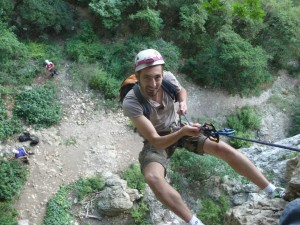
[
  {"x": 21, "y": 153},
  {"x": 50, "y": 67},
  {"x": 291, "y": 213}
]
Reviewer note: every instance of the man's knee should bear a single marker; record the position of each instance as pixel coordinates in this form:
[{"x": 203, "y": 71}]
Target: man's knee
[
  {"x": 152, "y": 178},
  {"x": 154, "y": 173}
]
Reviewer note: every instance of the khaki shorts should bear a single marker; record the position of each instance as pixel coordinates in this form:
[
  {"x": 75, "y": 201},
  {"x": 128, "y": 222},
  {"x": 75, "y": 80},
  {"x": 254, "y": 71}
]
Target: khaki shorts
[{"x": 151, "y": 154}]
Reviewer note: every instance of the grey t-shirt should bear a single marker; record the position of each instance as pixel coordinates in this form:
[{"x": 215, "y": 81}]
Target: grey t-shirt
[{"x": 161, "y": 115}]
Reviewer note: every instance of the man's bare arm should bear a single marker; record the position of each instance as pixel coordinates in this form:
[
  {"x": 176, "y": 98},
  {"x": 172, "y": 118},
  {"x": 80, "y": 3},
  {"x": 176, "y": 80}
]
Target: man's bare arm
[
  {"x": 182, "y": 99},
  {"x": 148, "y": 131}
]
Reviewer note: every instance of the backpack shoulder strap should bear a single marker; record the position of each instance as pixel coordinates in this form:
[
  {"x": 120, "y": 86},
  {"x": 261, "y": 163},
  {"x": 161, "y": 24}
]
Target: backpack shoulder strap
[
  {"x": 166, "y": 85},
  {"x": 170, "y": 89},
  {"x": 145, "y": 104}
]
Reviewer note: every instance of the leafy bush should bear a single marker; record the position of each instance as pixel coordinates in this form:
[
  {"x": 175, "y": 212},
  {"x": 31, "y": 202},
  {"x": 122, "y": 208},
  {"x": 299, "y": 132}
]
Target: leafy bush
[
  {"x": 8, "y": 126},
  {"x": 42, "y": 16},
  {"x": 81, "y": 51},
  {"x": 280, "y": 36},
  {"x": 244, "y": 119},
  {"x": 10, "y": 48},
  {"x": 100, "y": 80},
  {"x": 244, "y": 122},
  {"x": 86, "y": 186},
  {"x": 37, "y": 50},
  {"x": 227, "y": 58},
  {"x": 59, "y": 208},
  {"x": 149, "y": 22},
  {"x": 134, "y": 177},
  {"x": 109, "y": 11},
  {"x": 8, "y": 214},
  {"x": 213, "y": 210},
  {"x": 198, "y": 168},
  {"x": 191, "y": 21},
  {"x": 295, "y": 127},
  {"x": 39, "y": 106},
  {"x": 13, "y": 177},
  {"x": 139, "y": 213}
]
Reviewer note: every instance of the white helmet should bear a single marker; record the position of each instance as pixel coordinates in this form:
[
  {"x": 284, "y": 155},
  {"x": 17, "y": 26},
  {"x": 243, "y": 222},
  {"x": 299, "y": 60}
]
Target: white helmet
[
  {"x": 47, "y": 61},
  {"x": 146, "y": 58}
]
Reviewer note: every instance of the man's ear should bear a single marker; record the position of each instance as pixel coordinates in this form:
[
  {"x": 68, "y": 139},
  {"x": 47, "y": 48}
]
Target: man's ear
[{"x": 137, "y": 75}]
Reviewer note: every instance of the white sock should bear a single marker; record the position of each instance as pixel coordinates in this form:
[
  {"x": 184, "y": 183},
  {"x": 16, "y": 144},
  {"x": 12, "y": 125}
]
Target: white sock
[
  {"x": 270, "y": 188},
  {"x": 195, "y": 221}
]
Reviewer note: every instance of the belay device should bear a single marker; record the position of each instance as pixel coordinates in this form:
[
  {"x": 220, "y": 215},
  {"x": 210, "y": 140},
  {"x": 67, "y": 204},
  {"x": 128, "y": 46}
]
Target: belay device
[{"x": 210, "y": 131}]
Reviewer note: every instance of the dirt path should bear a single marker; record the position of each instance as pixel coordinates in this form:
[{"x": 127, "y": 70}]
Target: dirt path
[{"x": 89, "y": 141}]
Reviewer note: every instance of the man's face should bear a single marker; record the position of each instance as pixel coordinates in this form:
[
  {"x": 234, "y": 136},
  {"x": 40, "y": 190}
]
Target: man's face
[{"x": 150, "y": 80}]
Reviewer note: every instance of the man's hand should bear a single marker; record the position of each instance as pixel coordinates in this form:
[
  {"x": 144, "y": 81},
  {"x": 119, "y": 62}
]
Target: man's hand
[
  {"x": 182, "y": 108},
  {"x": 191, "y": 130}
]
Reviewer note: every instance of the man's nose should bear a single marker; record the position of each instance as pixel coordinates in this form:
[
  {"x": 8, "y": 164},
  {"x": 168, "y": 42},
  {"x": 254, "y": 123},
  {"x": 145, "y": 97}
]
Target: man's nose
[{"x": 152, "y": 83}]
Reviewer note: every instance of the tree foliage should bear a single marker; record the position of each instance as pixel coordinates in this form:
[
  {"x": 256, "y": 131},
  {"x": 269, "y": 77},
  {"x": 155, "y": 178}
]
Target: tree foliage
[
  {"x": 10, "y": 47},
  {"x": 6, "y": 10},
  {"x": 108, "y": 10},
  {"x": 231, "y": 63},
  {"x": 39, "y": 16},
  {"x": 281, "y": 35},
  {"x": 192, "y": 21},
  {"x": 149, "y": 20}
]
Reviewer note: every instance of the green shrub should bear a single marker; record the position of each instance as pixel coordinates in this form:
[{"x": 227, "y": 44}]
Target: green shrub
[
  {"x": 109, "y": 12},
  {"x": 227, "y": 57},
  {"x": 82, "y": 51},
  {"x": 8, "y": 214},
  {"x": 39, "y": 107},
  {"x": 8, "y": 126},
  {"x": 295, "y": 127},
  {"x": 237, "y": 143},
  {"x": 134, "y": 177},
  {"x": 58, "y": 210},
  {"x": 213, "y": 210},
  {"x": 37, "y": 50},
  {"x": 102, "y": 81},
  {"x": 198, "y": 168},
  {"x": 245, "y": 121},
  {"x": 139, "y": 213},
  {"x": 13, "y": 177},
  {"x": 40, "y": 17},
  {"x": 86, "y": 186},
  {"x": 149, "y": 22},
  {"x": 10, "y": 47}
]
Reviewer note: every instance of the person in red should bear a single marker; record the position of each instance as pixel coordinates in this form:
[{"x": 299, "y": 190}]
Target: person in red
[{"x": 50, "y": 67}]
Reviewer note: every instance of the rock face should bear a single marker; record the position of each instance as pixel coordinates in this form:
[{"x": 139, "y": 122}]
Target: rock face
[
  {"x": 268, "y": 211},
  {"x": 264, "y": 212},
  {"x": 293, "y": 177},
  {"x": 116, "y": 198}
]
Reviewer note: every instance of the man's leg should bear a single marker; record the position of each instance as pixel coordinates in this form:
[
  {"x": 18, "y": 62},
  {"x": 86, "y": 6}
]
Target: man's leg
[
  {"x": 167, "y": 195},
  {"x": 239, "y": 162}
]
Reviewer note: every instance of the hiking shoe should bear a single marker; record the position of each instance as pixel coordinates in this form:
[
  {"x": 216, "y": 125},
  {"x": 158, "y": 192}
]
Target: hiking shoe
[{"x": 278, "y": 193}]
